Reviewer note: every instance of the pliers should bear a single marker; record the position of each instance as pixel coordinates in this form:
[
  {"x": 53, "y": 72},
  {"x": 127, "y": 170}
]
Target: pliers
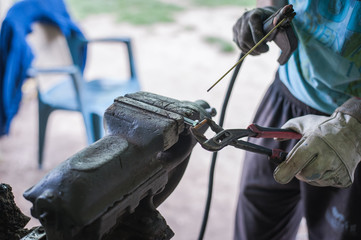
[{"x": 225, "y": 137}]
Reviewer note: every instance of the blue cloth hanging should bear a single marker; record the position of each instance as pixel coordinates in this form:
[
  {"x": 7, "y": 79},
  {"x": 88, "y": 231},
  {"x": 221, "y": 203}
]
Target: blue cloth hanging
[{"x": 15, "y": 53}]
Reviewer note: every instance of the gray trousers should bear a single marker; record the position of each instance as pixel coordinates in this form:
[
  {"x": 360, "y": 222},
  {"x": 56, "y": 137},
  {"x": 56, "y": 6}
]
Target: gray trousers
[{"x": 267, "y": 210}]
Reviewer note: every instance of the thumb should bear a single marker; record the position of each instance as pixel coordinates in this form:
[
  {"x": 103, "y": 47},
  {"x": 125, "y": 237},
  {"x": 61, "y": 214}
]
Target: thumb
[{"x": 305, "y": 123}]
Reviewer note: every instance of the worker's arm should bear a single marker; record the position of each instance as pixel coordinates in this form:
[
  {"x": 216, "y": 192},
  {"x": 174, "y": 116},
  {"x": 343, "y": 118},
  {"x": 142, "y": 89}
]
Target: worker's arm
[
  {"x": 329, "y": 151},
  {"x": 248, "y": 29}
]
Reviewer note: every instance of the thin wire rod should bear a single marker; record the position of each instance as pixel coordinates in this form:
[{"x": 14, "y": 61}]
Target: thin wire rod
[{"x": 250, "y": 51}]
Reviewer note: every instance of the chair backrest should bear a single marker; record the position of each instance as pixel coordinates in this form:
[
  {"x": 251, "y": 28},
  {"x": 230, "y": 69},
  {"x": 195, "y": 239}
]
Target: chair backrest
[
  {"x": 50, "y": 49},
  {"x": 46, "y": 41},
  {"x": 76, "y": 45}
]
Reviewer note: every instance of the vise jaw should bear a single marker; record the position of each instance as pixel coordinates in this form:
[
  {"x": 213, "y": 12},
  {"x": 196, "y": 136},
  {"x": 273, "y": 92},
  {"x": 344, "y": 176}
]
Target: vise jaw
[{"x": 107, "y": 190}]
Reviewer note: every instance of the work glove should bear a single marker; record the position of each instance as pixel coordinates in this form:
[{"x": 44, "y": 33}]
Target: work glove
[
  {"x": 329, "y": 151},
  {"x": 248, "y": 30}
]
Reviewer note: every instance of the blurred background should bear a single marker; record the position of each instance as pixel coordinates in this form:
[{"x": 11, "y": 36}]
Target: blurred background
[{"x": 180, "y": 48}]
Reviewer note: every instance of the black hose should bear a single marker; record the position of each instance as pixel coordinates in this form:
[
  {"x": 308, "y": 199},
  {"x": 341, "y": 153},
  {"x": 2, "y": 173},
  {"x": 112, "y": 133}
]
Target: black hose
[{"x": 214, "y": 156}]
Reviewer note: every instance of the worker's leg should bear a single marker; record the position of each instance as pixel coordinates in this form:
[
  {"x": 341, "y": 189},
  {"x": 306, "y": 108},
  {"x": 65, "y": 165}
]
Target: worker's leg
[
  {"x": 333, "y": 213},
  {"x": 268, "y": 210}
]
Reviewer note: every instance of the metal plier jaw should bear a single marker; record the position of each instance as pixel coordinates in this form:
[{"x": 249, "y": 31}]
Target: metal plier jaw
[{"x": 225, "y": 137}]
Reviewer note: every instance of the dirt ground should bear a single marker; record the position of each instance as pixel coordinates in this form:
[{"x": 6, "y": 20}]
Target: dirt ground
[{"x": 172, "y": 60}]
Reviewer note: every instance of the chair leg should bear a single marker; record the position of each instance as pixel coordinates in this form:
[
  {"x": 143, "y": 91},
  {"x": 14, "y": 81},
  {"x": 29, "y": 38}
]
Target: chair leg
[
  {"x": 93, "y": 127},
  {"x": 44, "y": 112},
  {"x": 98, "y": 128}
]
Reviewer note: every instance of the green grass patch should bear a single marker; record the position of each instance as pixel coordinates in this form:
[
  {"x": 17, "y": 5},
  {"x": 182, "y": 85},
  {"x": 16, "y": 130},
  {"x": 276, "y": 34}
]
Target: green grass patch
[
  {"x": 138, "y": 12},
  {"x": 142, "y": 12},
  {"x": 216, "y": 3},
  {"x": 223, "y": 45}
]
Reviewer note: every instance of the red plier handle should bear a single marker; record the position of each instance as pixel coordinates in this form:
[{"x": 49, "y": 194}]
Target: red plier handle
[
  {"x": 269, "y": 132},
  {"x": 225, "y": 137}
]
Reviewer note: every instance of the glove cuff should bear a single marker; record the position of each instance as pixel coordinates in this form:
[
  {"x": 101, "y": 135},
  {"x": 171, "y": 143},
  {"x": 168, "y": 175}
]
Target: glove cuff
[{"x": 351, "y": 107}]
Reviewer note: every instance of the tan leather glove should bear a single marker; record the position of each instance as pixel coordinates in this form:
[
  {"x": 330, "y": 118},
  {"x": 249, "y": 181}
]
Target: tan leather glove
[{"x": 329, "y": 151}]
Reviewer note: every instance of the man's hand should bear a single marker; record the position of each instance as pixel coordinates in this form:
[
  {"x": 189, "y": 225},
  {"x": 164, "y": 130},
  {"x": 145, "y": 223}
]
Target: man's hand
[
  {"x": 248, "y": 30},
  {"x": 329, "y": 151}
]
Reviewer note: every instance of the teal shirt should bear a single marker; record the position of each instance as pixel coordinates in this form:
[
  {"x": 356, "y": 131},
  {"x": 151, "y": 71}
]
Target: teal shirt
[{"x": 325, "y": 70}]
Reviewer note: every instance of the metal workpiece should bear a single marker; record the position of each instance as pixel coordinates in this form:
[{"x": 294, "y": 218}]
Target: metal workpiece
[{"x": 135, "y": 166}]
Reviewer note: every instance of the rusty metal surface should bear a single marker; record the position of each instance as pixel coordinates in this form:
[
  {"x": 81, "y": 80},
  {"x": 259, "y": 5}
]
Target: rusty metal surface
[
  {"x": 144, "y": 154},
  {"x": 38, "y": 233},
  {"x": 12, "y": 220}
]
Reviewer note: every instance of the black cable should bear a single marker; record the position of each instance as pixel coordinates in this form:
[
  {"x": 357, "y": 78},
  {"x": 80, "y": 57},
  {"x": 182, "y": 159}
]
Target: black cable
[{"x": 214, "y": 156}]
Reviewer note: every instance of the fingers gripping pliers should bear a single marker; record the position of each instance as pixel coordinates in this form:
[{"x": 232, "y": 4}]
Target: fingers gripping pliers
[{"x": 225, "y": 137}]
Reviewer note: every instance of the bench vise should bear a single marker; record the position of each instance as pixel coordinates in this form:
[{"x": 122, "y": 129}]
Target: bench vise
[{"x": 111, "y": 189}]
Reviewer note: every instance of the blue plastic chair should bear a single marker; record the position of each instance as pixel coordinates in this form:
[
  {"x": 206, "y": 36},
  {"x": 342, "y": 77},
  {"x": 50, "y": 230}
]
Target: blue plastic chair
[{"x": 74, "y": 93}]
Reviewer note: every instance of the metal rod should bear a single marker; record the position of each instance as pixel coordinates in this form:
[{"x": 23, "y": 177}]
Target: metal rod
[{"x": 246, "y": 54}]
